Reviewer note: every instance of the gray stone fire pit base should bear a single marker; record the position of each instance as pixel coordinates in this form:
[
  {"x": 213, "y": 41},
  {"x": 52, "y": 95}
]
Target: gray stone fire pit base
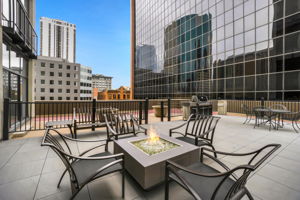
[{"x": 147, "y": 170}]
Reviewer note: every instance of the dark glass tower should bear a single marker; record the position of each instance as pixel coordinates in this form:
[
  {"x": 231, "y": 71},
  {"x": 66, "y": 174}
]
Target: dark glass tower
[{"x": 229, "y": 49}]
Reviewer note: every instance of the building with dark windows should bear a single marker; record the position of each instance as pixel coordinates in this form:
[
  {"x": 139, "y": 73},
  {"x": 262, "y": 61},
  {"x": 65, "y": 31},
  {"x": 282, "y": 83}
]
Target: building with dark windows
[
  {"x": 228, "y": 49},
  {"x": 85, "y": 83},
  {"x": 18, "y": 50}
]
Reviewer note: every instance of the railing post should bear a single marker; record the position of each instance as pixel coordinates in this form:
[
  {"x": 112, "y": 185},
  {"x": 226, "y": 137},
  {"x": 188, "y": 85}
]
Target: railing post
[
  {"x": 162, "y": 111},
  {"x": 94, "y": 107},
  {"x": 262, "y": 102},
  {"x": 6, "y": 114},
  {"x": 140, "y": 112},
  {"x": 146, "y": 110},
  {"x": 169, "y": 109}
]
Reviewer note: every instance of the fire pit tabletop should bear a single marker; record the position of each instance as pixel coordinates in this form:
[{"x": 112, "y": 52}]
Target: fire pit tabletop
[{"x": 147, "y": 160}]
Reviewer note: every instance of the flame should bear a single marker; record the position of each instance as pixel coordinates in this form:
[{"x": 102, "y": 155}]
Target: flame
[{"x": 154, "y": 138}]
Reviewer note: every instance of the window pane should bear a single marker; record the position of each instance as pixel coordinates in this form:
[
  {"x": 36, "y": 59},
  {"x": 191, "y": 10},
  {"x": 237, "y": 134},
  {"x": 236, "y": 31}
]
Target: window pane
[
  {"x": 292, "y": 81},
  {"x": 292, "y": 42},
  {"x": 292, "y": 62},
  {"x": 292, "y": 23},
  {"x": 292, "y": 6}
]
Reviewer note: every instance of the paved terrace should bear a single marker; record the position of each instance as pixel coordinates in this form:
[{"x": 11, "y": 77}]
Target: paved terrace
[{"x": 29, "y": 171}]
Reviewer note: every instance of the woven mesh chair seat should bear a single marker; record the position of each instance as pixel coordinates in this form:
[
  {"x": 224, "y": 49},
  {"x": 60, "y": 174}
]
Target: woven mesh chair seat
[
  {"x": 205, "y": 186},
  {"x": 85, "y": 168}
]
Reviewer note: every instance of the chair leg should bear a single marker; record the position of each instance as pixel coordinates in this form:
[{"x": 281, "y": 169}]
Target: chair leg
[
  {"x": 249, "y": 195},
  {"x": 123, "y": 184},
  {"x": 63, "y": 174},
  {"x": 215, "y": 154},
  {"x": 246, "y": 119},
  {"x": 167, "y": 189},
  {"x": 293, "y": 124},
  {"x": 297, "y": 125},
  {"x": 106, "y": 145}
]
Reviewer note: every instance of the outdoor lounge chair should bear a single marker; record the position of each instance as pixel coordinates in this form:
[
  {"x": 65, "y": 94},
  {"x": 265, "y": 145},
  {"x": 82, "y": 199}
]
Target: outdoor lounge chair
[
  {"x": 199, "y": 130},
  {"x": 294, "y": 117},
  {"x": 81, "y": 168},
  {"x": 249, "y": 113},
  {"x": 205, "y": 182},
  {"x": 122, "y": 125}
]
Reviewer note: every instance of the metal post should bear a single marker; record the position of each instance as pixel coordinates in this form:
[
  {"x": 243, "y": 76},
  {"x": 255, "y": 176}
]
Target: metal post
[
  {"x": 6, "y": 114},
  {"x": 262, "y": 102},
  {"x": 162, "y": 111},
  {"x": 94, "y": 106},
  {"x": 140, "y": 112},
  {"x": 169, "y": 109},
  {"x": 146, "y": 110}
]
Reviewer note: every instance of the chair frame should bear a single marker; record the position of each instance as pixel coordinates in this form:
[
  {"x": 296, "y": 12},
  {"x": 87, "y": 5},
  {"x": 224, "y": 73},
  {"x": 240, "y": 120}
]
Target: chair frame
[
  {"x": 119, "y": 125},
  {"x": 249, "y": 113},
  {"x": 68, "y": 158},
  {"x": 237, "y": 190},
  {"x": 261, "y": 116},
  {"x": 294, "y": 119},
  {"x": 203, "y": 129}
]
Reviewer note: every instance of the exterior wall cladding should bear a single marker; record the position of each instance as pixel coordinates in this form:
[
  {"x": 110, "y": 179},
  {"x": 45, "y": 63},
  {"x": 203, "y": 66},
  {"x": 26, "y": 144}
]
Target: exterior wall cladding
[{"x": 228, "y": 49}]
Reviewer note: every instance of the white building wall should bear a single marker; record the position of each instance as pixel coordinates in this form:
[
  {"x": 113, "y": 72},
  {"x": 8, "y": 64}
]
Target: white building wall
[{"x": 67, "y": 47}]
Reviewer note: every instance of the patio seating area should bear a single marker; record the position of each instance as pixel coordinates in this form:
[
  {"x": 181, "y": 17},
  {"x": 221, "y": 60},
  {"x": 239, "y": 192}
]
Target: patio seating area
[{"x": 29, "y": 171}]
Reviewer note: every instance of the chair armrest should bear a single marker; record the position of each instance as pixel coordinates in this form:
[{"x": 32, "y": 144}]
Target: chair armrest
[
  {"x": 72, "y": 139},
  {"x": 88, "y": 150},
  {"x": 175, "y": 165},
  {"x": 137, "y": 124}
]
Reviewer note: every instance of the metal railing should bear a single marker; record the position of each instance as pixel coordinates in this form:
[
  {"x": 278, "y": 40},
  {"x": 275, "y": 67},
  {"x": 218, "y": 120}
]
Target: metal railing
[{"x": 18, "y": 22}]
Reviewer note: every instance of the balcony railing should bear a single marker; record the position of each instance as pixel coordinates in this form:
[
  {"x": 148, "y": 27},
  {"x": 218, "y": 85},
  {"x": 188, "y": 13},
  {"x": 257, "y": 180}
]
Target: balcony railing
[{"x": 17, "y": 25}]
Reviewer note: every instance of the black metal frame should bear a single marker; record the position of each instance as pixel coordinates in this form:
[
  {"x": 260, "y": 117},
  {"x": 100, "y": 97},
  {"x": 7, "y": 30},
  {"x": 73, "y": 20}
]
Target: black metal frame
[
  {"x": 294, "y": 117},
  {"x": 264, "y": 117},
  {"x": 59, "y": 144},
  {"x": 249, "y": 113},
  {"x": 237, "y": 190},
  {"x": 118, "y": 125},
  {"x": 203, "y": 129}
]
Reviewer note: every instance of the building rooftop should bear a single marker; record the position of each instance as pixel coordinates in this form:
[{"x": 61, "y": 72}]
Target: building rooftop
[{"x": 36, "y": 176}]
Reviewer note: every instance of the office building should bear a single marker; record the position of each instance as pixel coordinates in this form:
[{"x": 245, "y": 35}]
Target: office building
[
  {"x": 56, "y": 79},
  {"x": 101, "y": 82},
  {"x": 58, "y": 39},
  {"x": 224, "y": 49},
  {"x": 19, "y": 50},
  {"x": 85, "y": 83}
]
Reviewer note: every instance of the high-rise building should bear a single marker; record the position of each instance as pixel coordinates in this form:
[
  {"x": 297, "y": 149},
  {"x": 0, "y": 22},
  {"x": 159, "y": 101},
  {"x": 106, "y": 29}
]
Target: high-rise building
[
  {"x": 101, "y": 82},
  {"x": 228, "y": 49},
  {"x": 85, "y": 83},
  {"x": 56, "y": 79},
  {"x": 58, "y": 39},
  {"x": 19, "y": 50}
]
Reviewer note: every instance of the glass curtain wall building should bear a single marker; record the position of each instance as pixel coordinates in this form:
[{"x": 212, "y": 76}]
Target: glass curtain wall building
[{"x": 228, "y": 49}]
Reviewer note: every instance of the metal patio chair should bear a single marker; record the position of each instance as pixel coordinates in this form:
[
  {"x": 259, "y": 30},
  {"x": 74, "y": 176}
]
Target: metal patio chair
[
  {"x": 249, "y": 113},
  {"x": 205, "y": 182},
  {"x": 122, "y": 126},
  {"x": 199, "y": 130},
  {"x": 294, "y": 117},
  {"x": 264, "y": 115},
  {"x": 82, "y": 168}
]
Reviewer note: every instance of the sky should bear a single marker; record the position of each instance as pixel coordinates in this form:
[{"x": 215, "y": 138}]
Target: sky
[{"x": 103, "y": 33}]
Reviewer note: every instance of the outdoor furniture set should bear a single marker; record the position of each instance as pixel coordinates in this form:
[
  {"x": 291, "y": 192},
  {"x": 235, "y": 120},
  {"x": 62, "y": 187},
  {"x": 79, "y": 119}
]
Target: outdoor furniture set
[
  {"x": 273, "y": 116},
  {"x": 152, "y": 159}
]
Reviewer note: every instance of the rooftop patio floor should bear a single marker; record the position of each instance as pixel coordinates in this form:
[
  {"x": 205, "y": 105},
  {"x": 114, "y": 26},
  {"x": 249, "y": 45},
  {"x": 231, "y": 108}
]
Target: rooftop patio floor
[{"x": 29, "y": 171}]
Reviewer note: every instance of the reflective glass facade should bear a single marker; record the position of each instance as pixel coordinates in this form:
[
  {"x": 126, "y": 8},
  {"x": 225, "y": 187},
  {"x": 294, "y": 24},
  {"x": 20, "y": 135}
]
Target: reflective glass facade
[{"x": 228, "y": 49}]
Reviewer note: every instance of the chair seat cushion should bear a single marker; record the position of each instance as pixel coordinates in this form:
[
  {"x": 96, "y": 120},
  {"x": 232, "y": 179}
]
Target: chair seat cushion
[
  {"x": 205, "y": 186},
  {"x": 192, "y": 140},
  {"x": 86, "y": 168}
]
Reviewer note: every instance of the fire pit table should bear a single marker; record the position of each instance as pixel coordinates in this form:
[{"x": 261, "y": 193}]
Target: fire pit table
[{"x": 145, "y": 156}]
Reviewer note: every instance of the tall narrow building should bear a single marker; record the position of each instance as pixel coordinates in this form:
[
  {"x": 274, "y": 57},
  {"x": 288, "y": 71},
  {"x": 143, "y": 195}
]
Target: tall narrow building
[{"x": 58, "y": 39}]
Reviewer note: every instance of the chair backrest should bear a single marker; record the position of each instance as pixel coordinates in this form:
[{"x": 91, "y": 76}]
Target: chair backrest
[
  {"x": 256, "y": 159},
  {"x": 120, "y": 124},
  {"x": 60, "y": 146},
  {"x": 245, "y": 108},
  {"x": 200, "y": 125},
  {"x": 84, "y": 114},
  {"x": 278, "y": 107}
]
